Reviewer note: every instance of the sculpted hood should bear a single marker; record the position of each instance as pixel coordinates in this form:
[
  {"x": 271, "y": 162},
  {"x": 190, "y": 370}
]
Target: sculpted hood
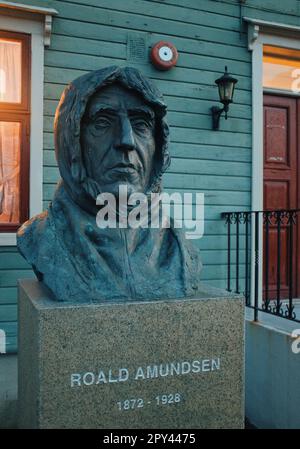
[{"x": 67, "y": 129}]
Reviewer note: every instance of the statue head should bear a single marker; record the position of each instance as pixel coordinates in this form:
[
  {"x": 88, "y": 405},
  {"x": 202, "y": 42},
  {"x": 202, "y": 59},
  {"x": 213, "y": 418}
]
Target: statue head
[
  {"x": 118, "y": 139},
  {"x": 110, "y": 130}
]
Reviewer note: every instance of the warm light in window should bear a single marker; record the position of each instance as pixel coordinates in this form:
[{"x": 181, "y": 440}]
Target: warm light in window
[
  {"x": 10, "y": 71},
  {"x": 9, "y": 172},
  {"x": 2, "y": 83},
  {"x": 281, "y": 68}
]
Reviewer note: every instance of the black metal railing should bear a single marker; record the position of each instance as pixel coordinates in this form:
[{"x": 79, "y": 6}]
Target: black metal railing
[{"x": 274, "y": 234}]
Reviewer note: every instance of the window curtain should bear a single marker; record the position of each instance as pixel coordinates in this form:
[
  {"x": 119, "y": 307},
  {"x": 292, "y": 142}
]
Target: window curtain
[
  {"x": 10, "y": 92},
  {"x": 10, "y": 71},
  {"x": 9, "y": 171}
]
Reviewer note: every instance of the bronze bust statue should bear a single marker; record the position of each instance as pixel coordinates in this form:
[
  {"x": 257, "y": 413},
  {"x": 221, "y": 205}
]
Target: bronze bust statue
[{"x": 110, "y": 130}]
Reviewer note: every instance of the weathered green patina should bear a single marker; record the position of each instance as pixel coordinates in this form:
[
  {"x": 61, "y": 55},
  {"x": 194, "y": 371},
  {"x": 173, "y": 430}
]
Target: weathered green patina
[{"x": 110, "y": 130}]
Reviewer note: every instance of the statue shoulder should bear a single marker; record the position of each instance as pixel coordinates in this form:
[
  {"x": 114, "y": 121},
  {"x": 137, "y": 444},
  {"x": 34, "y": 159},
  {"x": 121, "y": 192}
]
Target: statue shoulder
[
  {"x": 33, "y": 235},
  {"x": 31, "y": 225}
]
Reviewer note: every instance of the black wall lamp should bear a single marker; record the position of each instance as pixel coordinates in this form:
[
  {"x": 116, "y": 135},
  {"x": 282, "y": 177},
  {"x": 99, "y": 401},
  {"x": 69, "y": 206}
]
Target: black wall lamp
[{"x": 226, "y": 86}]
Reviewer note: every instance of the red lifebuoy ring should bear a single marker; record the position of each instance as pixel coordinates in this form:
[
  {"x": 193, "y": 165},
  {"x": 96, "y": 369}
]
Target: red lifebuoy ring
[{"x": 164, "y": 55}]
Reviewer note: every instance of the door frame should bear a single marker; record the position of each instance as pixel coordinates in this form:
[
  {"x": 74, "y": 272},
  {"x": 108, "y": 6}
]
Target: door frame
[{"x": 261, "y": 33}]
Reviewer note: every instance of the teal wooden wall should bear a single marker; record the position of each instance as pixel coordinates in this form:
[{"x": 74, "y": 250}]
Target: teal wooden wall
[{"x": 90, "y": 34}]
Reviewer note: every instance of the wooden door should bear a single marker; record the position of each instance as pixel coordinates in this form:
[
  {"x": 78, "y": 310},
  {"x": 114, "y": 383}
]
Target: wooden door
[{"x": 280, "y": 188}]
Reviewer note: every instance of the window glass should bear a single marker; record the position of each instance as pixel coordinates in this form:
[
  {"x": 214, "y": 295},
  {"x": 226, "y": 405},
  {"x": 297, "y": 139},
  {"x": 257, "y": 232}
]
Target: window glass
[
  {"x": 9, "y": 172},
  {"x": 10, "y": 71},
  {"x": 281, "y": 68},
  {"x": 14, "y": 129}
]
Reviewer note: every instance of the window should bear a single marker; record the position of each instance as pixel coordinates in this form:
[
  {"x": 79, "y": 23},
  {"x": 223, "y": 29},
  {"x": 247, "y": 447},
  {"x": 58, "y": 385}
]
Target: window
[
  {"x": 14, "y": 129},
  {"x": 281, "y": 68}
]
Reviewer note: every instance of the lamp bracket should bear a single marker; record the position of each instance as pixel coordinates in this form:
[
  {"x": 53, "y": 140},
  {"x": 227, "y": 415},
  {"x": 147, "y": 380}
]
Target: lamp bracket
[{"x": 216, "y": 114}]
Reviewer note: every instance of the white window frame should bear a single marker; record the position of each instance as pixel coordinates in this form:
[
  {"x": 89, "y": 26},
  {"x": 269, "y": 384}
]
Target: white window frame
[
  {"x": 37, "y": 22},
  {"x": 262, "y": 33}
]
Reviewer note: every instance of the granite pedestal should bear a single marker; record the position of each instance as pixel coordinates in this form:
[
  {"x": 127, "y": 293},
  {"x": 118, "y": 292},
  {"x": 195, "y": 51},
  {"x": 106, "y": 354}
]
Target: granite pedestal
[{"x": 160, "y": 364}]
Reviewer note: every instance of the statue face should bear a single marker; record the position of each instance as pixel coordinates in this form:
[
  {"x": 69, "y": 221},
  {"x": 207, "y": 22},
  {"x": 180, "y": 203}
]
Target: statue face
[{"x": 117, "y": 140}]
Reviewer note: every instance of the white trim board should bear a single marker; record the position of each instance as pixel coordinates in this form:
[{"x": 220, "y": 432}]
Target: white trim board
[
  {"x": 256, "y": 26},
  {"x": 29, "y": 12},
  {"x": 28, "y": 8},
  {"x": 36, "y": 30},
  {"x": 259, "y": 34}
]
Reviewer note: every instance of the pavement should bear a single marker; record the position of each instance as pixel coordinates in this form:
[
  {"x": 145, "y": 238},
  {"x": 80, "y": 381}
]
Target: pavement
[{"x": 8, "y": 391}]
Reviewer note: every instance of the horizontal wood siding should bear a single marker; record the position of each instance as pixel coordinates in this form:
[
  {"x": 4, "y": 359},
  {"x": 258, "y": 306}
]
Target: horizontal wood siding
[{"x": 90, "y": 34}]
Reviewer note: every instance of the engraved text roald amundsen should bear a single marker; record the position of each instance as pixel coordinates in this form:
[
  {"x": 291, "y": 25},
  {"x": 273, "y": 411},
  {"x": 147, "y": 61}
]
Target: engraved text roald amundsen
[{"x": 100, "y": 377}]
